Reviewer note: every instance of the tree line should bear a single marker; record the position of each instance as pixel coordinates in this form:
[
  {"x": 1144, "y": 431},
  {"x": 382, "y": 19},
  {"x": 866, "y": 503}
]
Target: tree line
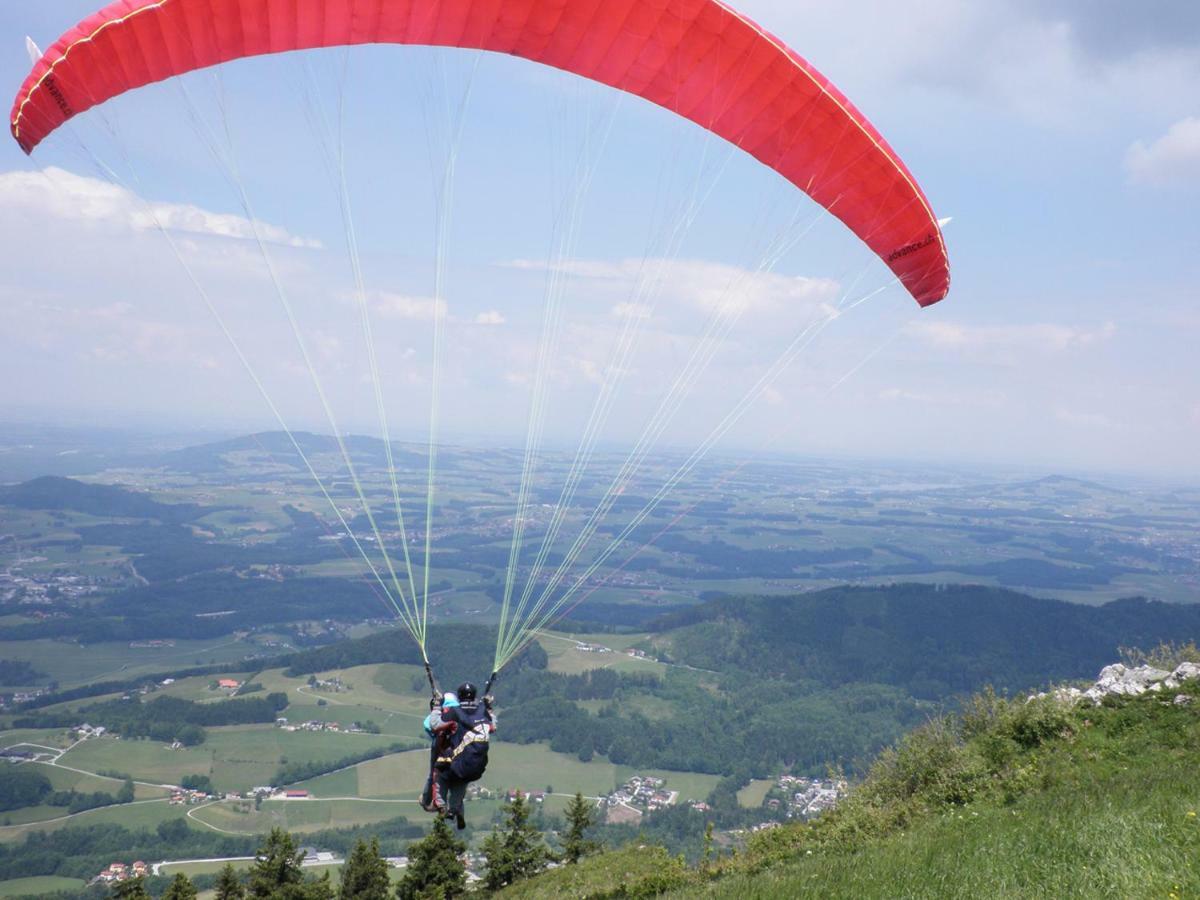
[
  {"x": 436, "y": 865},
  {"x": 166, "y": 719},
  {"x": 292, "y": 772},
  {"x": 23, "y": 786}
]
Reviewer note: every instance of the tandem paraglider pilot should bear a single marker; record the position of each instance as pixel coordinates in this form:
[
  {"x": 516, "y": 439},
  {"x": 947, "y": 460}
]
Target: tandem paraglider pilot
[{"x": 461, "y": 727}]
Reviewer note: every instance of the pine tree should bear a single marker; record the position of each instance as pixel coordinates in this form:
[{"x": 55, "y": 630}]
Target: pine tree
[
  {"x": 579, "y": 820},
  {"x": 131, "y": 889},
  {"x": 321, "y": 889},
  {"x": 365, "y": 874},
  {"x": 228, "y": 886},
  {"x": 180, "y": 888},
  {"x": 435, "y": 870},
  {"x": 516, "y": 852},
  {"x": 277, "y": 867}
]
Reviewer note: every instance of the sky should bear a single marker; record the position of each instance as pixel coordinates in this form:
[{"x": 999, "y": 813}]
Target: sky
[{"x": 1062, "y": 139}]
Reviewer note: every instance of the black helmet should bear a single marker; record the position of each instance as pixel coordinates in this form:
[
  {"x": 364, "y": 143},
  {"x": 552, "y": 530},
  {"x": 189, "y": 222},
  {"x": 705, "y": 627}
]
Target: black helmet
[{"x": 466, "y": 692}]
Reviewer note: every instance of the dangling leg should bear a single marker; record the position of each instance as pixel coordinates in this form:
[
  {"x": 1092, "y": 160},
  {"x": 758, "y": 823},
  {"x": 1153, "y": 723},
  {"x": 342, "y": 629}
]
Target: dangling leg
[
  {"x": 441, "y": 788},
  {"x": 429, "y": 793},
  {"x": 455, "y": 797}
]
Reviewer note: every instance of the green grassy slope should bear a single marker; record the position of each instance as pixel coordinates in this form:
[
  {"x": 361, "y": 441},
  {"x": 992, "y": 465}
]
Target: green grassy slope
[{"x": 1009, "y": 800}]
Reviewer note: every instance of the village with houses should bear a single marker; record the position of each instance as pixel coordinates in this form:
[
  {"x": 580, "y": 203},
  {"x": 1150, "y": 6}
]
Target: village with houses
[
  {"x": 805, "y": 798},
  {"x": 639, "y": 795},
  {"x": 118, "y": 871},
  {"x": 600, "y": 649},
  {"x": 791, "y": 797},
  {"x": 312, "y": 857},
  {"x": 8, "y": 701},
  {"x": 319, "y": 725},
  {"x": 45, "y": 587}
]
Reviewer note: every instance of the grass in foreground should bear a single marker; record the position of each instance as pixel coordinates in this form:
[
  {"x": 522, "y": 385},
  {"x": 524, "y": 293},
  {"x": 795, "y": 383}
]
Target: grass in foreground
[{"x": 1010, "y": 799}]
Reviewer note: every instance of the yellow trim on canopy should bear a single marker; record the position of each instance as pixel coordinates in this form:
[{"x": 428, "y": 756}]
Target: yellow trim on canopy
[{"x": 16, "y": 122}]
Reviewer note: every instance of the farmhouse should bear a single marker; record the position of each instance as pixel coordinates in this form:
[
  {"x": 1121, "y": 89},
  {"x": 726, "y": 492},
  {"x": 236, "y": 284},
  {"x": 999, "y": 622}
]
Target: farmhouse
[{"x": 117, "y": 871}]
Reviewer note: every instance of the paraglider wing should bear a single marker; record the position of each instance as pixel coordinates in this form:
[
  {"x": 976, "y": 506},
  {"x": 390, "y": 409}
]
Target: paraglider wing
[{"x": 697, "y": 58}]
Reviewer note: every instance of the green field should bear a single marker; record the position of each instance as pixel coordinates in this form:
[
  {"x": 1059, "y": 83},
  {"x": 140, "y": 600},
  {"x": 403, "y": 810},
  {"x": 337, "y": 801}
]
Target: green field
[
  {"x": 46, "y": 737},
  {"x": 394, "y": 696},
  {"x": 298, "y": 815},
  {"x": 191, "y": 870},
  {"x": 753, "y": 794},
  {"x": 65, "y": 779},
  {"x": 565, "y": 657},
  {"x": 44, "y": 884},
  {"x": 343, "y": 783},
  {"x": 29, "y": 814},
  {"x": 143, "y": 814},
  {"x": 148, "y": 761},
  {"x": 72, "y": 664},
  {"x": 381, "y": 693},
  {"x": 527, "y": 767},
  {"x": 200, "y": 688},
  {"x": 237, "y": 758}
]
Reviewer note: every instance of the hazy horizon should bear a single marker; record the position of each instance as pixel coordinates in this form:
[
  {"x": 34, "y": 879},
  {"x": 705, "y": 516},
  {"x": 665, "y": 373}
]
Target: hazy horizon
[{"x": 163, "y": 436}]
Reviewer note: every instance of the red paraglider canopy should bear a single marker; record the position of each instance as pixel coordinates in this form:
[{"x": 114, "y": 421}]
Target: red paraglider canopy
[{"x": 697, "y": 58}]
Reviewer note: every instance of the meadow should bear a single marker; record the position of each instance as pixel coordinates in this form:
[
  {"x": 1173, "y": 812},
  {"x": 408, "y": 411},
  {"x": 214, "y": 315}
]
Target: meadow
[{"x": 45, "y": 884}]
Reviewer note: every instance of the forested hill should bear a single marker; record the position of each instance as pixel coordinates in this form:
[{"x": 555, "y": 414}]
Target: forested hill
[
  {"x": 931, "y": 640},
  {"x": 107, "y": 501}
]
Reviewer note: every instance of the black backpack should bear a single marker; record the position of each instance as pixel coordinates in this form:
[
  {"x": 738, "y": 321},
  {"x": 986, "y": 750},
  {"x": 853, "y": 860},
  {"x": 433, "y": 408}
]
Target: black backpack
[{"x": 469, "y": 745}]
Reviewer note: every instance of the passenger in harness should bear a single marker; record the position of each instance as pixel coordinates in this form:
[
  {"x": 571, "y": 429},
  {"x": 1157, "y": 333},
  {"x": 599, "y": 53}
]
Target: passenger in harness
[
  {"x": 463, "y": 756},
  {"x": 439, "y": 742}
]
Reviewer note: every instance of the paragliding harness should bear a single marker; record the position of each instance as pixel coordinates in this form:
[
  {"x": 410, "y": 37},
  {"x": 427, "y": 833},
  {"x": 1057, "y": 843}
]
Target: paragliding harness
[
  {"x": 465, "y": 755},
  {"x": 468, "y": 753},
  {"x": 467, "y": 758}
]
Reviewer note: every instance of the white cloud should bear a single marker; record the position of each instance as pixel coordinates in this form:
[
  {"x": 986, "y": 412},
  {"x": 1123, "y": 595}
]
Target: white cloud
[
  {"x": 491, "y": 317},
  {"x": 899, "y": 394},
  {"x": 63, "y": 195},
  {"x": 588, "y": 369},
  {"x": 709, "y": 286},
  {"x": 1080, "y": 419},
  {"x": 773, "y": 396},
  {"x": 404, "y": 306},
  {"x": 1173, "y": 158},
  {"x": 328, "y": 347},
  {"x": 1038, "y": 336},
  {"x": 116, "y": 332},
  {"x": 631, "y": 311}
]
